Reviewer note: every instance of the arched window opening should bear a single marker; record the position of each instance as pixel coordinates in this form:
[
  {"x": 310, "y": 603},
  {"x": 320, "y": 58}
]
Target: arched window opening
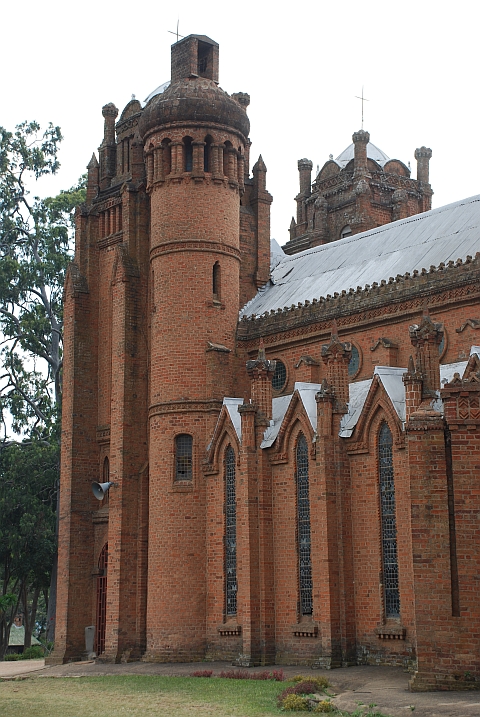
[
  {"x": 354, "y": 363},
  {"x": 346, "y": 231},
  {"x": 226, "y": 158},
  {"x": 206, "y": 154},
  {"x": 303, "y": 528},
  {"x": 388, "y": 523},
  {"x": 101, "y": 607},
  {"x": 188, "y": 153},
  {"x": 230, "y": 534},
  {"x": 279, "y": 378},
  {"x": 167, "y": 156},
  {"x": 183, "y": 457},
  {"x": 216, "y": 284}
]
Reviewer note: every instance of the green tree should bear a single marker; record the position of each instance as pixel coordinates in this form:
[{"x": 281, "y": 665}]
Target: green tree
[
  {"x": 35, "y": 249},
  {"x": 28, "y": 479}
]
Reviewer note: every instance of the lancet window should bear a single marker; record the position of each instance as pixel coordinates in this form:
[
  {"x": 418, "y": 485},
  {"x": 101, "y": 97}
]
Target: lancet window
[
  {"x": 303, "y": 528},
  {"x": 388, "y": 523},
  {"x": 183, "y": 457},
  {"x": 230, "y": 534}
]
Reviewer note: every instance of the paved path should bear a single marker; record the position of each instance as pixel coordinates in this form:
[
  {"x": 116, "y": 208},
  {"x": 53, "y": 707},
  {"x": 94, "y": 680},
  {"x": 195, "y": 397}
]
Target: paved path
[{"x": 387, "y": 687}]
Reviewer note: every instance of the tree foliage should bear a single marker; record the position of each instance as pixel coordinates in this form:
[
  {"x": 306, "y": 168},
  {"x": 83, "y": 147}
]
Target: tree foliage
[
  {"x": 28, "y": 481},
  {"x": 35, "y": 249}
]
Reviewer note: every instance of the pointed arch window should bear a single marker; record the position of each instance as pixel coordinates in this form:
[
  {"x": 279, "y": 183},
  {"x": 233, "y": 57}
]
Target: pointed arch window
[
  {"x": 230, "y": 534},
  {"x": 388, "y": 523},
  {"x": 101, "y": 608},
  {"x": 303, "y": 528}
]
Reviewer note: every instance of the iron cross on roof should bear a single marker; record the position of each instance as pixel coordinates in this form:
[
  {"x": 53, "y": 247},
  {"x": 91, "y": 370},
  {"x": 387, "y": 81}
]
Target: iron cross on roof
[
  {"x": 364, "y": 99},
  {"x": 176, "y": 33}
]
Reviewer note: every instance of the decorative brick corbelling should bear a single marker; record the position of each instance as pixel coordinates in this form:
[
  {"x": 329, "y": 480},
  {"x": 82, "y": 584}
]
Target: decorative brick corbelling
[
  {"x": 159, "y": 409},
  {"x": 441, "y": 285}
]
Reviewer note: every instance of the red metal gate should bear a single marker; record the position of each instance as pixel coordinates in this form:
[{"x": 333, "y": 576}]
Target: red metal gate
[{"x": 101, "y": 601}]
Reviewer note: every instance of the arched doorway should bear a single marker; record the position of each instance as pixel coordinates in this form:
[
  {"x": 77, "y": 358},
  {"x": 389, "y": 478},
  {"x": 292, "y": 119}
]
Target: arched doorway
[{"x": 101, "y": 620}]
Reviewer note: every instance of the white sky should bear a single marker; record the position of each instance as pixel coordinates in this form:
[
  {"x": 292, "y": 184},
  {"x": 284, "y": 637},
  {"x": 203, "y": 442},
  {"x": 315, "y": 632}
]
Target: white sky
[{"x": 302, "y": 66}]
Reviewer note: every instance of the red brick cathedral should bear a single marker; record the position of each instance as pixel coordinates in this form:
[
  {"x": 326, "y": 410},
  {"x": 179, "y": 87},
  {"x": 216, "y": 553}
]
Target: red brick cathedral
[{"x": 294, "y": 484}]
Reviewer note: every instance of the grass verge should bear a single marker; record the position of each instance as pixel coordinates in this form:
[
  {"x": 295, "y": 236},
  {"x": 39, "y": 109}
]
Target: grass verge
[{"x": 138, "y": 696}]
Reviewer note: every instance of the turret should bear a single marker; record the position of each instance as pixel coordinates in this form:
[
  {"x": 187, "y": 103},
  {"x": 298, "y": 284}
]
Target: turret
[
  {"x": 336, "y": 357},
  {"x": 195, "y": 134},
  {"x": 360, "y": 162},
  {"x": 423, "y": 156},
  {"x": 426, "y": 337},
  {"x": 261, "y": 372},
  {"x": 108, "y": 148},
  {"x": 92, "y": 179}
]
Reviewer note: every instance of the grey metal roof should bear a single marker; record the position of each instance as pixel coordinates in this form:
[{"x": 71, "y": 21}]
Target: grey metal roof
[
  {"x": 17, "y": 636},
  {"x": 307, "y": 393},
  {"x": 440, "y": 235},
  {"x": 157, "y": 91},
  {"x": 232, "y": 405},
  {"x": 373, "y": 152},
  {"x": 276, "y": 254}
]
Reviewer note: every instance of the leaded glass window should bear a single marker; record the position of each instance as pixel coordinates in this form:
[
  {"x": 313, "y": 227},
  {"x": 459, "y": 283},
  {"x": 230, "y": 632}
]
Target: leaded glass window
[
  {"x": 230, "y": 534},
  {"x": 389, "y": 523},
  {"x": 354, "y": 363},
  {"x": 280, "y": 376},
  {"x": 183, "y": 457},
  {"x": 303, "y": 529}
]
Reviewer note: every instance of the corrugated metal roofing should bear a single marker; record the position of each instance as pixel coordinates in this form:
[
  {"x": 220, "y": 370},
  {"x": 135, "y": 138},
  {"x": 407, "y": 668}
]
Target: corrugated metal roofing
[
  {"x": 440, "y": 235},
  {"x": 17, "y": 636},
  {"x": 307, "y": 392}
]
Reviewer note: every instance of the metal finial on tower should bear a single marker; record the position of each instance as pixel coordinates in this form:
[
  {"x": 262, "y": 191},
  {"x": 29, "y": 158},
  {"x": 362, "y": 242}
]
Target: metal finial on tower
[
  {"x": 176, "y": 33},
  {"x": 364, "y": 99}
]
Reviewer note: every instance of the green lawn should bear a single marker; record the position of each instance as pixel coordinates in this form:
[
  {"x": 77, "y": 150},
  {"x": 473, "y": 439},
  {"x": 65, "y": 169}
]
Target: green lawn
[{"x": 140, "y": 696}]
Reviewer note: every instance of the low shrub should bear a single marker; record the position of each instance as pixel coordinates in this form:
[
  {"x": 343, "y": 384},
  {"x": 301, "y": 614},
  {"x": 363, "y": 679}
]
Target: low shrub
[
  {"x": 295, "y": 703},
  {"x": 202, "y": 673},
  {"x": 321, "y": 681},
  {"x": 235, "y": 674},
  {"x": 308, "y": 687},
  {"x": 324, "y": 706},
  {"x": 12, "y": 657},
  {"x": 276, "y": 675},
  {"x": 34, "y": 652}
]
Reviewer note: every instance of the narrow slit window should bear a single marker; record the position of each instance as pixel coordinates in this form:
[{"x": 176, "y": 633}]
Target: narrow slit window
[
  {"x": 216, "y": 281},
  {"x": 188, "y": 149},
  {"x": 230, "y": 534},
  {"x": 183, "y": 457},
  {"x": 388, "y": 523},
  {"x": 303, "y": 528}
]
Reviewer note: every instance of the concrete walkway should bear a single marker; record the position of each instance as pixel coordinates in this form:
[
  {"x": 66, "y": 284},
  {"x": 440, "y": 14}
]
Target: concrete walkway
[{"x": 387, "y": 687}]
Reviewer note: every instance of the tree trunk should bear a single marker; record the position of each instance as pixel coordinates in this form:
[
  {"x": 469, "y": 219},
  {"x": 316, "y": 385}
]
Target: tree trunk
[{"x": 29, "y": 615}]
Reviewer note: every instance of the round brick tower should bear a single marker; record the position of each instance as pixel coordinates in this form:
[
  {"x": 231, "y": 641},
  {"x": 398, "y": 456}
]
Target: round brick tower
[{"x": 194, "y": 138}]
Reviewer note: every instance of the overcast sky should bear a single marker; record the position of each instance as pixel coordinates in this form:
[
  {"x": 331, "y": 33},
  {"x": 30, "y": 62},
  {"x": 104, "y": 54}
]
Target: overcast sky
[{"x": 302, "y": 67}]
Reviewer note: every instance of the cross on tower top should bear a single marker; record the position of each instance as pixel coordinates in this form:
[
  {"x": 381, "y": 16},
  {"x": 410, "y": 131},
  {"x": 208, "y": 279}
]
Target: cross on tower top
[
  {"x": 364, "y": 99},
  {"x": 176, "y": 33}
]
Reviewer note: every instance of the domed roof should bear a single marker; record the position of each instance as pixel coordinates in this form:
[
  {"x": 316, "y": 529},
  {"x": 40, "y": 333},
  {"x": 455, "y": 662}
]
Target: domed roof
[
  {"x": 158, "y": 91},
  {"x": 193, "y": 98},
  {"x": 373, "y": 152}
]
